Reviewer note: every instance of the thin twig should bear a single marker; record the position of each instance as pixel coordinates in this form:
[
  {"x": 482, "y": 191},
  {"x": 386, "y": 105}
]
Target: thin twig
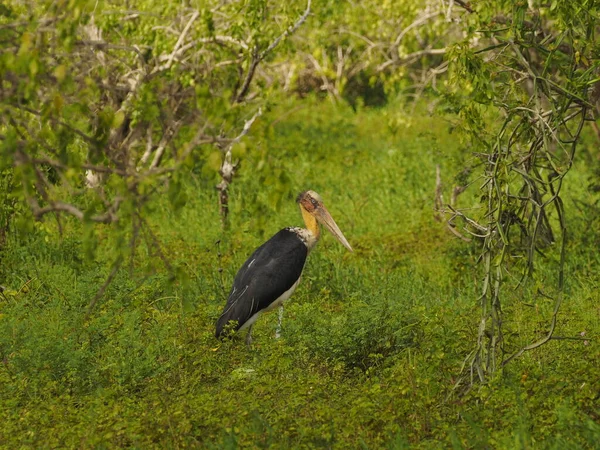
[
  {"x": 113, "y": 273},
  {"x": 108, "y": 217},
  {"x": 420, "y": 21},
  {"x": 464, "y": 5},
  {"x": 162, "y": 145},
  {"x": 228, "y": 168},
  {"x": 181, "y": 39},
  {"x": 257, "y": 56}
]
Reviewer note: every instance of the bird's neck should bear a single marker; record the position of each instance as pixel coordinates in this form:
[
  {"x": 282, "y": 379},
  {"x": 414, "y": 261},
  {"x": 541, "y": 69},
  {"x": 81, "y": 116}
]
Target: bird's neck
[{"x": 312, "y": 226}]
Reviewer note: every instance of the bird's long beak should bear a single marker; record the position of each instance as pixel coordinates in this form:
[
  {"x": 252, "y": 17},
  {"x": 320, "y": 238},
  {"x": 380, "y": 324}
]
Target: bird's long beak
[{"x": 323, "y": 216}]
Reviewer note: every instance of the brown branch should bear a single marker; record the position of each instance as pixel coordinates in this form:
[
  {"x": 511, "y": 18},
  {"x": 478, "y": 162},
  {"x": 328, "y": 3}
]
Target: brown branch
[
  {"x": 560, "y": 211},
  {"x": 249, "y": 76},
  {"x": 221, "y": 40},
  {"x": 22, "y": 158},
  {"x": 107, "y": 45},
  {"x": 438, "y": 200},
  {"x": 258, "y": 57},
  {"x": 42, "y": 22},
  {"x": 57, "y": 206},
  {"x": 464, "y": 5},
  {"x": 457, "y": 233},
  {"x": 100, "y": 293}
]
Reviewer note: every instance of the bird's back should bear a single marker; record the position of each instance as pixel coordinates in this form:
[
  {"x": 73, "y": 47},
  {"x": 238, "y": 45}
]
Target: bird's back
[{"x": 268, "y": 273}]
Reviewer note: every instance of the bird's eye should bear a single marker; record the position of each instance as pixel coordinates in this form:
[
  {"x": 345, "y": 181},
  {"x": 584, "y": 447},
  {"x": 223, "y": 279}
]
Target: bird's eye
[{"x": 314, "y": 202}]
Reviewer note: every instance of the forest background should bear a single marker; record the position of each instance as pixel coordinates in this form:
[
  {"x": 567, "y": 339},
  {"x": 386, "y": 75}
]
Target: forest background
[{"x": 146, "y": 148}]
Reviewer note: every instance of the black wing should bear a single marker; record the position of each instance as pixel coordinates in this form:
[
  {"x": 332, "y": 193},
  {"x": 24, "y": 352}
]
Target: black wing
[{"x": 272, "y": 269}]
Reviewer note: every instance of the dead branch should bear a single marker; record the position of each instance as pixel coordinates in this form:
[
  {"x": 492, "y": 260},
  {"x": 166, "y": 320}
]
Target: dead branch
[
  {"x": 420, "y": 21},
  {"x": 410, "y": 58},
  {"x": 439, "y": 198},
  {"x": 455, "y": 193},
  {"x": 465, "y": 5},
  {"x": 162, "y": 145},
  {"x": 228, "y": 168},
  {"x": 113, "y": 273},
  {"x": 221, "y": 40},
  {"x": 287, "y": 32},
  {"x": 257, "y": 56},
  {"x": 56, "y": 206},
  {"x": 93, "y": 167},
  {"x": 180, "y": 40},
  {"x": 75, "y": 130}
]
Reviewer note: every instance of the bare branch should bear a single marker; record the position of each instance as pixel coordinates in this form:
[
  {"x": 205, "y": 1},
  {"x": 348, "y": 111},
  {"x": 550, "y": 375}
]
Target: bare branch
[
  {"x": 454, "y": 231},
  {"x": 412, "y": 57},
  {"x": 94, "y": 167},
  {"x": 326, "y": 84},
  {"x": 149, "y": 147},
  {"x": 108, "y": 217},
  {"x": 249, "y": 76},
  {"x": 258, "y": 57},
  {"x": 438, "y": 198},
  {"x": 162, "y": 145},
  {"x": 220, "y": 39},
  {"x": 145, "y": 226},
  {"x": 111, "y": 276},
  {"x": 228, "y": 168},
  {"x": 287, "y": 32},
  {"x": 420, "y": 21},
  {"x": 106, "y": 45},
  {"x": 40, "y": 23},
  {"x": 80, "y": 133},
  {"x": 181, "y": 39},
  {"x": 245, "y": 130},
  {"x": 464, "y": 5}
]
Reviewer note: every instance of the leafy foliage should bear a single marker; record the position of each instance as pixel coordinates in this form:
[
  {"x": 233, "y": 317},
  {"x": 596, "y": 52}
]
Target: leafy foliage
[
  {"x": 372, "y": 342},
  {"x": 115, "y": 126},
  {"x": 104, "y": 108},
  {"x": 532, "y": 66}
]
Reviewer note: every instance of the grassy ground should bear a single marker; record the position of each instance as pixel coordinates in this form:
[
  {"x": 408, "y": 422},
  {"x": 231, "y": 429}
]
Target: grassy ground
[{"x": 372, "y": 343}]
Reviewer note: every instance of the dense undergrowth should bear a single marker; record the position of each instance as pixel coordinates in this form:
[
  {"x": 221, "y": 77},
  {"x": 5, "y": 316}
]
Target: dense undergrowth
[{"x": 372, "y": 343}]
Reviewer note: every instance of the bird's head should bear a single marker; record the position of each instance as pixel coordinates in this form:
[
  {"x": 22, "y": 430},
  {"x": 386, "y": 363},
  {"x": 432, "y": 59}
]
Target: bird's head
[{"x": 311, "y": 204}]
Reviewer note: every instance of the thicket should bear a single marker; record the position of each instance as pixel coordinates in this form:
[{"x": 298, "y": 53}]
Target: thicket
[
  {"x": 110, "y": 114},
  {"x": 105, "y": 107}
]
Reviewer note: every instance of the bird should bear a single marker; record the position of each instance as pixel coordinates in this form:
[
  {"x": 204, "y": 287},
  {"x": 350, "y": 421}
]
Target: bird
[{"x": 271, "y": 274}]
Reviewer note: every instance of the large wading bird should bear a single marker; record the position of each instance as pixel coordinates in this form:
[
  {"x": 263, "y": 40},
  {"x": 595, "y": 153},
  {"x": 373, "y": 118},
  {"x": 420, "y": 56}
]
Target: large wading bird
[{"x": 273, "y": 271}]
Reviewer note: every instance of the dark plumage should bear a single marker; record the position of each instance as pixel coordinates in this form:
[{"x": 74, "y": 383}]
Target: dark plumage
[{"x": 277, "y": 266}]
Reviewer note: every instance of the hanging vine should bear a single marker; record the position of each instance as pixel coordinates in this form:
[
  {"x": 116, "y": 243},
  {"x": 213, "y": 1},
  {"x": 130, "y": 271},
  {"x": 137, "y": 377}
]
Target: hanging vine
[{"x": 533, "y": 68}]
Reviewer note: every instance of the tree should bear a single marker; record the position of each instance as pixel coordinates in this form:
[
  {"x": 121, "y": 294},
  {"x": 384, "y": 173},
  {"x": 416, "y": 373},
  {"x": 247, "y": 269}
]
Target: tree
[
  {"x": 364, "y": 51},
  {"x": 533, "y": 65},
  {"x": 128, "y": 102}
]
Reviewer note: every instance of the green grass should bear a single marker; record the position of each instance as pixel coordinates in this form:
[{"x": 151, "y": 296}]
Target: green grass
[{"x": 372, "y": 343}]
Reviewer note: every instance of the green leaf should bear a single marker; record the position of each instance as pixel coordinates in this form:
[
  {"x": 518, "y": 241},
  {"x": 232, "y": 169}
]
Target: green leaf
[
  {"x": 60, "y": 72},
  {"x": 118, "y": 119},
  {"x": 214, "y": 160}
]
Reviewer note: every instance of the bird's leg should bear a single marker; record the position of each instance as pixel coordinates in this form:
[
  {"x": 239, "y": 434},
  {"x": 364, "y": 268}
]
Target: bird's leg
[
  {"x": 278, "y": 330},
  {"x": 249, "y": 336}
]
